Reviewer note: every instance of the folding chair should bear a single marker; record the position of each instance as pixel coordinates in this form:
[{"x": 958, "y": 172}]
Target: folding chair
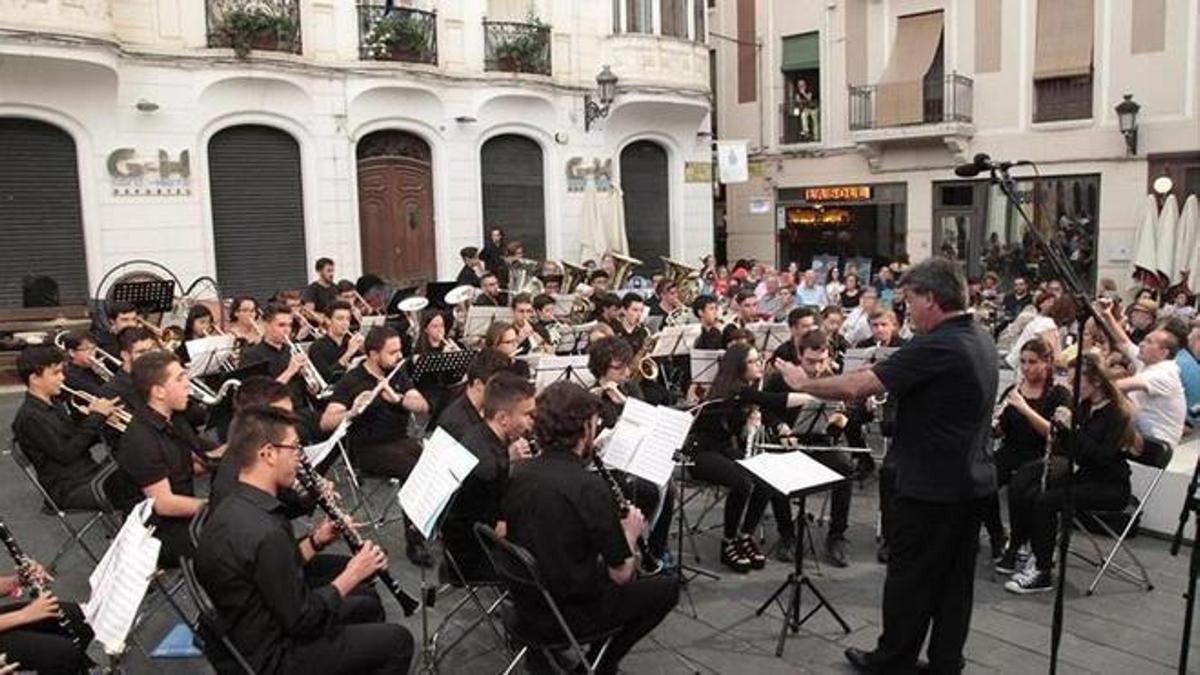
[
  {"x": 454, "y": 579},
  {"x": 1156, "y": 456},
  {"x": 214, "y": 641},
  {"x": 518, "y": 571},
  {"x": 197, "y": 525},
  {"x": 64, "y": 515},
  {"x": 691, "y": 489}
]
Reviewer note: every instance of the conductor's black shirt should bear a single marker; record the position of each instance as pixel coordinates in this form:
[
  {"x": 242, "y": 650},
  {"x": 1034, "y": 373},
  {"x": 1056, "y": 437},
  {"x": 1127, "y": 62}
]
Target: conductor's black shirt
[{"x": 946, "y": 382}]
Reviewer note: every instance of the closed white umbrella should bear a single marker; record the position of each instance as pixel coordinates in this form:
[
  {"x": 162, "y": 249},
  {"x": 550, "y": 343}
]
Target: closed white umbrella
[
  {"x": 1190, "y": 220},
  {"x": 592, "y": 239},
  {"x": 618, "y": 242},
  {"x": 1145, "y": 251},
  {"x": 1168, "y": 220}
]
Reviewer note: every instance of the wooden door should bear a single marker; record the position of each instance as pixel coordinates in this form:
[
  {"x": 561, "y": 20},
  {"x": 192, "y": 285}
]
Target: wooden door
[{"x": 395, "y": 205}]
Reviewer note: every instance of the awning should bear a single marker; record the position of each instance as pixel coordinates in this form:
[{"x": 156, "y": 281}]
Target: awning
[
  {"x": 1064, "y": 38},
  {"x": 899, "y": 96},
  {"x": 801, "y": 52}
]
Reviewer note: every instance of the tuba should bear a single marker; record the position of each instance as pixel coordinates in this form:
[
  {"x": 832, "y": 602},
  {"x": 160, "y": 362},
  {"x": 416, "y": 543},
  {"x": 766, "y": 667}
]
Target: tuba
[
  {"x": 622, "y": 266},
  {"x": 573, "y": 275},
  {"x": 685, "y": 278},
  {"x": 522, "y": 276}
]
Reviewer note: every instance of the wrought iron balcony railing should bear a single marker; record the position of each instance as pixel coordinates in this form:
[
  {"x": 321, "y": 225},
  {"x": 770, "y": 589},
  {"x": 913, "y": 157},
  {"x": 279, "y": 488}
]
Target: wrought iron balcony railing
[
  {"x": 517, "y": 47},
  {"x": 246, "y": 25},
  {"x": 397, "y": 34},
  {"x": 948, "y": 99}
]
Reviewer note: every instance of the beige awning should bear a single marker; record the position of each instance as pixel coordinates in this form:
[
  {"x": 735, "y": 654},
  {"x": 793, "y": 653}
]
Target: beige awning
[
  {"x": 899, "y": 96},
  {"x": 1064, "y": 38}
]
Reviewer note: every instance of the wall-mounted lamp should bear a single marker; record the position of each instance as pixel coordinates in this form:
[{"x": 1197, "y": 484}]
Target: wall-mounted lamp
[
  {"x": 146, "y": 106},
  {"x": 606, "y": 91},
  {"x": 465, "y": 119},
  {"x": 1127, "y": 113}
]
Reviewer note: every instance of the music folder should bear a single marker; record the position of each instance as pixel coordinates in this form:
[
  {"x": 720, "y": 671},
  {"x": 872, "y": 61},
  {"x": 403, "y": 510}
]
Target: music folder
[
  {"x": 645, "y": 440},
  {"x": 443, "y": 466},
  {"x": 791, "y": 472},
  {"x": 120, "y": 580}
]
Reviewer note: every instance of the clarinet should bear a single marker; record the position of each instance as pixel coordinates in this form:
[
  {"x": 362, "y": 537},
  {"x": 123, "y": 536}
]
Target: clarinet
[
  {"x": 647, "y": 562},
  {"x": 309, "y": 480},
  {"x": 35, "y": 582}
]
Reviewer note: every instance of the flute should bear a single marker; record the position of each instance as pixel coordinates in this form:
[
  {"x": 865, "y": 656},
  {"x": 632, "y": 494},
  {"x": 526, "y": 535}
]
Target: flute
[
  {"x": 35, "y": 582},
  {"x": 308, "y": 478},
  {"x": 646, "y": 561}
]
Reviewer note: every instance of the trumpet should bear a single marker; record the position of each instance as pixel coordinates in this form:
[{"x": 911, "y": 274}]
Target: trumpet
[
  {"x": 80, "y": 400},
  {"x": 316, "y": 385},
  {"x": 168, "y": 337}
]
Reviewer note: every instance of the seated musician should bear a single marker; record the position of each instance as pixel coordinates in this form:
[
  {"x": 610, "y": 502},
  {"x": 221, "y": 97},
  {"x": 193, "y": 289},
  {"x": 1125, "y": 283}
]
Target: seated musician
[
  {"x": 708, "y": 311},
  {"x": 378, "y": 437},
  {"x": 1155, "y": 388},
  {"x": 347, "y": 293},
  {"x": 80, "y": 372},
  {"x": 599, "y": 281},
  {"x": 469, "y": 274},
  {"x": 609, "y": 362},
  {"x": 801, "y": 321},
  {"x": 666, "y": 299},
  {"x": 31, "y": 637},
  {"x": 121, "y": 315},
  {"x": 718, "y": 439},
  {"x": 502, "y": 336},
  {"x": 59, "y": 447},
  {"x": 199, "y": 324},
  {"x": 279, "y": 615},
  {"x": 1101, "y": 475},
  {"x": 832, "y": 318},
  {"x": 544, "y": 318},
  {"x": 134, "y": 341},
  {"x": 282, "y": 364},
  {"x": 322, "y": 292},
  {"x": 437, "y": 388},
  {"x": 332, "y": 353},
  {"x": 466, "y": 410},
  {"x": 746, "y": 305},
  {"x": 529, "y": 339},
  {"x": 160, "y": 453},
  {"x": 566, "y": 517},
  {"x": 491, "y": 296},
  {"x": 606, "y": 308},
  {"x": 244, "y": 325},
  {"x": 885, "y": 331},
  {"x": 500, "y": 440},
  {"x": 628, "y": 326}
]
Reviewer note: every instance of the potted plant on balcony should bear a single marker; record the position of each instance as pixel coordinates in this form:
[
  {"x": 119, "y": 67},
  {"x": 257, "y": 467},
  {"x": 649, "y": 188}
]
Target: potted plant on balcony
[
  {"x": 399, "y": 36},
  {"x": 522, "y": 51},
  {"x": 258, "y": 26}
]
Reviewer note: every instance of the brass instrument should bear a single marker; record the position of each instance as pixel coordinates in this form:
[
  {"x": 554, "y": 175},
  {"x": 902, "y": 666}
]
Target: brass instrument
[
  {"x": 522, "y": 277},
  {"x": 573, "y": 275},
  {"x": 168, "y": 337},
  {"x": 102, "y": 363},
  {"x": 685, "y": 278},
  {"x": 460, "y": 298},
  {"x": 680, "y": 316},
  {"x": 644, "y": 365},
  {"x": 412, "y": 308},
  {"x": 34, "y": 579},
  {"x": 360, "y": 303},
  {"x": 200, "y": 391},
  {"x": 309, "y": 321},
  {"x": 313, "y": 381},
  {"x": 622, "y": 266},
  {"x": 119, "y": 419}
]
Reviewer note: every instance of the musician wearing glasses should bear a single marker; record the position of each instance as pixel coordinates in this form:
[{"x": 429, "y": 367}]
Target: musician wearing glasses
[
  {"x": 80, "y": 371},
  {"x": 282, "y": 364},
  {"x": 58, "y": 446},
  {"x": 121, "y": 315},
  {"x": 333, "y": 352},
  {"x": 244, "y": 326},
  {"x": 322, "y": 292},
  {"x": 380, "y": 411},
  {"x": 281, "y": 616},
  {"x": 566, "y": 517},
  {"x": 31, "y": 636}
]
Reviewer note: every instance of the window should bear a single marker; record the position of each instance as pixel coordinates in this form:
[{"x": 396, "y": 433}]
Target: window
[
  {"x": 639, "y": 16},
  {"x": 1062, "y": 75},
  {"x": 801, "y": 106},
  {"x": 674, "y": 18}
]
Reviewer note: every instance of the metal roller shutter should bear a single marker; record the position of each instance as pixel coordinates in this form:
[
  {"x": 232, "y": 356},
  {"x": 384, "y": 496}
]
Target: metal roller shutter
[
  {"x": 647, "y": 205},
  {"x": 513, "y": 192},
  {"x": 258, "y": 211},
  {"x": 40, "y": 220}
]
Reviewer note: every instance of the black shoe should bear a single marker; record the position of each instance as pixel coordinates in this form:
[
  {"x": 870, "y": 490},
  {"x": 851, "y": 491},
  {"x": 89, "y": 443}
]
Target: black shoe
[
  {"x": 733, "y": 558},
  {"x": 784, "y": 550},
  {"x": 835, "y": 551},
  {"x": 418, "y": 554},
  {"x": 748, "y": 546},
  {"x": 861, "y": 659},
  {"x": 883, "y": 553},
  {"x": 1009, "y": 562},
  {"x": 999, "y": 544}
]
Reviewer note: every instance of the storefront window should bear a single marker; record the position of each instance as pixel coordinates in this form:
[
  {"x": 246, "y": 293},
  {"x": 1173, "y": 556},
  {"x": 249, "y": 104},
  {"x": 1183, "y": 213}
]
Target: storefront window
[{"x": 859, "y": 223}]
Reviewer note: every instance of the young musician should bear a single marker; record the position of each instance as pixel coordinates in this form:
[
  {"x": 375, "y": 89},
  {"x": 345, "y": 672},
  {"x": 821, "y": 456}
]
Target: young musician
[
  {"x": 466, "y": 411},
  {"x": 599, "y": 281},
  {"x": 322, "y": 292},
  {"x": 544, "y": 319},
  {"x": 120, "y": 315},
  {"x": 279, "y": 615},
  {"x": 667, "y": 299},
  {"x": 80, "y": 371},
  {"x": 1021, "y": 426},
  {"x": 607, "y": 308},
  {"x": 708, "y": 312},
  {"x": 59, "y": 448},
  {"x": 437, "y": 388},
  {"x": 199, "y": 324},
  {"x": 801, "y": 321},
  {"x": 566, "y": 517},
  {"x": 629, "y": 326},
  {"x": 501, "y": 439},
  {"x": 244, "y": 326},
  {"x": 491, "y": 296},
  {"x": 530, "y": 340},
  {"x": 469, "y": 274},
  {"x": 134, "y": 341},
  {"x": 282, "y": 364},
  {"x": 1100, "y": 480},
  {"x": 332, "y": 353},
  {"x": 746, "y": 305},
  {"x": 31, "y": 637},
  {"x": 160, "y": 453},
  {"x": 378, "y": 436}
]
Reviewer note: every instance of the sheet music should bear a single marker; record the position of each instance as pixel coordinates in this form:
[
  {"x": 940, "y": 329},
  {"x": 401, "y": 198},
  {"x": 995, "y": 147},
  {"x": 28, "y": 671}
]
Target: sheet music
[
  {"x": 645, "y": 439},
  {"x": 317, "y": 452},
  {"x": 369, "y": 321},
  {"x": 479, "y": 319},
  {"x": 704, "y": 364},
  {"x": 790, "y": 472},
  {"x": 563, "y": 303},
  {"x": 443, "y": 466},
  {"x": 552, "y": 368},
  {"x": 676, "y": 340},
  {"x": 207, "y": 354},
  {"x": 768, "y": 335},
  {"x": 119, "y": 582}
]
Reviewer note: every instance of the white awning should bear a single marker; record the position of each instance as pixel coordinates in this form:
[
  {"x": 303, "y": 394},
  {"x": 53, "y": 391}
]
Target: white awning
[{"x": 899, "y": 95}]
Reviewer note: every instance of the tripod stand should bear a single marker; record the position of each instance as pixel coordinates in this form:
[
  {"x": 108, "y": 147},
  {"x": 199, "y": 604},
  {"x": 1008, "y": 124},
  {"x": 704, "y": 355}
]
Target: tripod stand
[{"x": 1191, "y": 505}]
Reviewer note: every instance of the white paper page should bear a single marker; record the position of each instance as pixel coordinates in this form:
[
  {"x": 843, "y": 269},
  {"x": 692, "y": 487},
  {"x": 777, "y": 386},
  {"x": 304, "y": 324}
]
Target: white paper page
[
  {"x": 790, "y": 472},
  {"x": 443, "y": 465},
  {"x": 317, "y": 452},
  {"x": 635, "y": 422},
  {"x": 655, "y": 458},
  {"x": 205, "y": 355},
  {"x": 552, "y": 368},
  {"x": 704, "y": 363},
  {"x": 119, "y": 582},
  {"x": 370, "y": 321},
  {"x": 674, "y": 340}
]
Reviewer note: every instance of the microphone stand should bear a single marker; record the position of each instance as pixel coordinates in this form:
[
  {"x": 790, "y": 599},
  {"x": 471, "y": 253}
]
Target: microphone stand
[{"x": 1059, "y": 263}]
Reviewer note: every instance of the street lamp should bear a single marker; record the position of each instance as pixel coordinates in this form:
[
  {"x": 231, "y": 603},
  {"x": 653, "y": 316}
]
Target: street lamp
[
  {"x": 1127, "y": 112},
  {"x": 606, "y": 91}
]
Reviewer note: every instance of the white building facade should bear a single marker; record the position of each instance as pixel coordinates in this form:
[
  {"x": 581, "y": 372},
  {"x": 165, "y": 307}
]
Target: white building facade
[
  {"x": 129, "y": 129},
  {"x": 858, "y": 164}
]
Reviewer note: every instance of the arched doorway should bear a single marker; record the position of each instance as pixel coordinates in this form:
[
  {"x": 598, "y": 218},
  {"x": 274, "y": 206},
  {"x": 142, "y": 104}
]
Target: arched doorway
[
  {"x": 647, "y": 202},
  {"x": 514, "y": 191},
  {"x": 257, "y": 210},
  {"x": 395, "y": 207},
  {"x": 41, "y": 224}
]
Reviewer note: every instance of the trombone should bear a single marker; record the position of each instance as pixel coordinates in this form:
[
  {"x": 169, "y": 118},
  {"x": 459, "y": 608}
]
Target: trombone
[
  {"x": 309, "y": 321},
  {"x": 102, "y": 363},
  {"x": 204, "y": 393},
  {"x": 119, "y": 419},
  {"x": 168, "y": 337}
]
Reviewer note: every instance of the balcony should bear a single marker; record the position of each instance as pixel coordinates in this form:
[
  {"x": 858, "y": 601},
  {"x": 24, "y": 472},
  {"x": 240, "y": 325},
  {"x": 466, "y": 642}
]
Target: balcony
[
  {"x": 882, "y": 114},
  {"x": 517, "y": 47},
  {"x": 397, "y": 34},
  {"x": 248, "y": 25},
  {"x": 800, "y": 123}
]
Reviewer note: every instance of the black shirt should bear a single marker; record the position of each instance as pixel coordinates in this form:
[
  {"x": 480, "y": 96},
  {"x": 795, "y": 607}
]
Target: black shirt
[
  {"x": 565, "y": 516},
  {"x": 107, "y": 340},
  {"x": 478, "y": 499},
  {"x": 121, "y": 387},
  {"x": 1099, "y": 456},
  {"x": 381, "y": 422},
  {"x": 467, "y": 276},
  {"x": 634, "y": 338},
  {"x": 320, "y": 296},
  {"x": 153, "y": 448},
  {"x": 58, "y": 448},
  {"x": 610, "y": 410},
  {"x": 718, "y": 425},
  {"x": 851, "y": 298},
  {"x": 249, "y": 562},
  {"x": 324, "y": 354},
  {"x": 277, "y": 360},
  {"x": 1020, "y": 443},
  {"x": 710, "y": 338},
  {"x": 787, "y": 352},
  {"x": 296, "y": 503},
  {"x": 1013, "y": 303},
  {"x": 485, "y": 300},
  {"x": 459, "y": 418},
  {"x": 83, "y": 379},
  {"x": 946, "y": 384}
]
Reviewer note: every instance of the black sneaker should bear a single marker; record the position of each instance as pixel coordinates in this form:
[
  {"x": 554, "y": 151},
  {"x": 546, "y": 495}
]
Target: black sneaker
[
  {"x": 733, "y": 558},
  {"x": 1011, "y": 561},
  {"x": 1031, "y": 581},
  {"x": 749, "y": 548},
  {"x": 835, "y": 551},
  {"x": 999, "y": 546}
]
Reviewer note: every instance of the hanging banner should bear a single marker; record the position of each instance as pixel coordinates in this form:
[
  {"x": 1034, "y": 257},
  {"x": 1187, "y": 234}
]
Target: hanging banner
[{"x": 731, "y": 162}]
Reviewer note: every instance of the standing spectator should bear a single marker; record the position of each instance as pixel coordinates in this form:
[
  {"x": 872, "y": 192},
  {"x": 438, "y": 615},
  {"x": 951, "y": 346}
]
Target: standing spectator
[{"x": 834, "y": 285}]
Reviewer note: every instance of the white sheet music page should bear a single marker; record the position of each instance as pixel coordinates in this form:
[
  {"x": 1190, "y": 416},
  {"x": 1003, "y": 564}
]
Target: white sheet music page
[
  {"x": 205, "y": 355},
  {"x": 443, "y": 466},
  {"x": 790, "y": 472},
  {"x": 552, "y": 368},
  {"x": 655, "y": 457},
  {"x": 634, "y": 424},
  {"x": 317, "y": 452},
  {"x": 119, "y": 582},
  {"x": 675, "y": 340}
]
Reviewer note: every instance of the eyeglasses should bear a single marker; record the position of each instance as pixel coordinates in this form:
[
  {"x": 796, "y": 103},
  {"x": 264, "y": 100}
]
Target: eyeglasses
[{"x": 294, "y": 447}]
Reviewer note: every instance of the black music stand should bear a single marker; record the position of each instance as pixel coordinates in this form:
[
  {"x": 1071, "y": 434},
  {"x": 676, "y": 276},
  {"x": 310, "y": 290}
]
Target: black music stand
[
  {"x": 425, "y": 366},
  {"x": 150, "y": 296},
  {"x": 574, "y": 341},
  {"x": 436, "y": 292},
  {"x": 568, "y": 372}
]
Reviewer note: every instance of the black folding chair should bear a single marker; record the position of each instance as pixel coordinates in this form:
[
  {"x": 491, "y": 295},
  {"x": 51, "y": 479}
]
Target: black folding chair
[
  {"x": 454, "y": 579},
  {"x": 518, "y": 572},
  {"x": 220, "y": 651},
  {"x": 76, "y": 533}
]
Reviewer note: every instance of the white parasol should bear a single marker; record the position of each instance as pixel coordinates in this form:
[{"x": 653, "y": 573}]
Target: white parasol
[
  {"x": 592, "y": 240},
  {"x": 615, "y": 220},
  {"x": 1189, "y": 221},
  {"x": 1168, "y": 219},
  {"x": 1145, "y": 252}
]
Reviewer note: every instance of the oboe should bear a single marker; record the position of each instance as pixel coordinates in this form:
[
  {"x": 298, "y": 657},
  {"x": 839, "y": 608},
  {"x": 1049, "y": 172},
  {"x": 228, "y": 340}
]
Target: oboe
[
  {"x": 311, "y": 481},
  {"x": 35, "y": 582},
  {"x": 647, "y": 561}
]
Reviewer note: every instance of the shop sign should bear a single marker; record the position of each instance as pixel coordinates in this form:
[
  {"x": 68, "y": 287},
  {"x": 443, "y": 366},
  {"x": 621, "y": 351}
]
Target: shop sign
[
  {"x": 838, "y": 193},
  {"x": 579, "y": 170},
  {"x": 136, "y": 176},
  {"x": 697, "y": 172}
]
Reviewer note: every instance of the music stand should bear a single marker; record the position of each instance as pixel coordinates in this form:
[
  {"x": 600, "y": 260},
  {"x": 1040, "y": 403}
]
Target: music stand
[
  {"x": 768, "y": 335},
  {"x": 150, "y": 296},
  {"x": 551, "y": 369},
  {"x": 575, "y": 339},
  {"x": 704, "y": 364},
  {"x": 454, "y": 363},
  {"x": 713, "y": 408},
  {"x": 480, "y": 319}
]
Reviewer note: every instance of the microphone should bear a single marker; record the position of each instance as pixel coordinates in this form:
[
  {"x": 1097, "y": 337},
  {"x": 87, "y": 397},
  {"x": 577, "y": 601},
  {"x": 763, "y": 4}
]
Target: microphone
[{"x": 983, "y": 163}]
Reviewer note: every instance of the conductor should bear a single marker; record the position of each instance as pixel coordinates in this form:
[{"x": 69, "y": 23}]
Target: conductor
[{"x": 945, "y": 380}]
